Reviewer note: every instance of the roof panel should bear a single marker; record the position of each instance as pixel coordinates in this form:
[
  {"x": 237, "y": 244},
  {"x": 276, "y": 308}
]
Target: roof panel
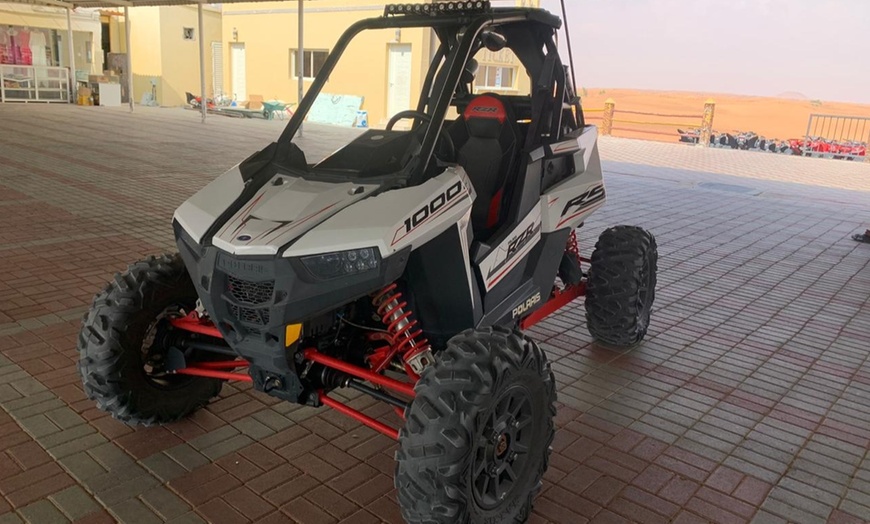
[{"x": 121, "y": 3}]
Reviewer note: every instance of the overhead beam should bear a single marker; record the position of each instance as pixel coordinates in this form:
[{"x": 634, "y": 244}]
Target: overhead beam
[
  {"x": 119, "y": 3},
  {"x": 52, "y": 3}
]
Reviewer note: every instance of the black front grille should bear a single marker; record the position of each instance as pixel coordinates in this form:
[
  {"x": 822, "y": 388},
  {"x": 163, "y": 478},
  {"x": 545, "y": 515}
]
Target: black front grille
[
  {"x": 248, "y": 292},
  {"x": 250, "y": 315}
]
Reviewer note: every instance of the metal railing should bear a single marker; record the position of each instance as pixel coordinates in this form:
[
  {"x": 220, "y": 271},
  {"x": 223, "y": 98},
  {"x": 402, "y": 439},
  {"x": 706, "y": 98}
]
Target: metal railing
[
  {"x": 837, "y": 136},
  {"x": 702, "y": 121}
]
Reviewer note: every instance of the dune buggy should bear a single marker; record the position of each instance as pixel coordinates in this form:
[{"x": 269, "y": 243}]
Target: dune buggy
[{"x": 404, "y": 266}]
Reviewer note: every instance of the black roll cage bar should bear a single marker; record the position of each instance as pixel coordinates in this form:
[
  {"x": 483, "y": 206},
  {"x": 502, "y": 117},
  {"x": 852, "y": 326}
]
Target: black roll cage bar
[{"x": 440, "y": 89}]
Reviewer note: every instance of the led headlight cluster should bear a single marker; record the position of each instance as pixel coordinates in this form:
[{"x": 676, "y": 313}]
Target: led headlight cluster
[
  {"x": 469, "y": 6},
  {"x": 342, "y": 263}
]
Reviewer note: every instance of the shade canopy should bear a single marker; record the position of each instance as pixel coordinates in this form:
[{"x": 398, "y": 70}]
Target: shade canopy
[{"x": 117, "y": 3}]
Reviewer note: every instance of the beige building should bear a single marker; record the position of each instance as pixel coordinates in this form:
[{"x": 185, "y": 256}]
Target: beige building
[
  {"x": 165, "y": 49},
  {"x": 384, "y": 67}
]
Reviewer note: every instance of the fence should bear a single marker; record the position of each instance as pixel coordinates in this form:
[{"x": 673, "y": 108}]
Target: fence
[
  {"x": 609, "y": 117},
  {"x": 834, "y": 136}
]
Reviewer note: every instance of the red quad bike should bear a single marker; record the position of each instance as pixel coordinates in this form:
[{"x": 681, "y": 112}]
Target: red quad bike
[{"x": 403, "y": 266}]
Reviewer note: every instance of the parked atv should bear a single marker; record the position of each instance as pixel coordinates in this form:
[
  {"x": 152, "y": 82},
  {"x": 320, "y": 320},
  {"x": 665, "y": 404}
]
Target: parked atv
[
  {"x": 405, "y": 266},
  {"x": 689, "y": 136}
]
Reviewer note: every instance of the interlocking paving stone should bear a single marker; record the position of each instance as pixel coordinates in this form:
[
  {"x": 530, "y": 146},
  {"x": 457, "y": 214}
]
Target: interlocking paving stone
[
  {"x": 74, "y": 502},
  {"x": 42, "y": 512},
  {"x": 749, "y": 391}
]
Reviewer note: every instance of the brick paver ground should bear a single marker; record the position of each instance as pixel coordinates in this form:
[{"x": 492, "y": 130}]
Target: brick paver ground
[{"x": 749, "y": 400}]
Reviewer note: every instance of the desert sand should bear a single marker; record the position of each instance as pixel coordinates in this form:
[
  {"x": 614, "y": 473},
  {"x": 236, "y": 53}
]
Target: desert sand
[{"x": 780, "y": 118}]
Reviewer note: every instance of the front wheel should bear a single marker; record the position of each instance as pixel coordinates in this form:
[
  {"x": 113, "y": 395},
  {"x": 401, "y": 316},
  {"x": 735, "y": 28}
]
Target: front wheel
[
  {"x": 477, "y": 438},
  {"x": 621, "y": 286},
  {"x": 124, "y": 341}
]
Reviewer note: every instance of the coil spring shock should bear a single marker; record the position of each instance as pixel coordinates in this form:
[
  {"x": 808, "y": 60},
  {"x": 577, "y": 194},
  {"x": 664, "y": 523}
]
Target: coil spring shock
[
  {"x": 572, "y": 246},
  {"x": 406, "y": 337}
]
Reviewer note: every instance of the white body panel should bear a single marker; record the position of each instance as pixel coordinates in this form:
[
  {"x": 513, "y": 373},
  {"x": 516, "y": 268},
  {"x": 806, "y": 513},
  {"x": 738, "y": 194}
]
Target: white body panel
[
  {"x": 568, "y": 203},
  {"x": 512, "y": 249},
  {"x": 394, "y": 219},
  {"x": 200, "y": 211},
  {"x": 278, "y": 214}
]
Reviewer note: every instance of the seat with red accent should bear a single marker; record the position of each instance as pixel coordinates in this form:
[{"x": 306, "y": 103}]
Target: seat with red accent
[{"x": 486, "y": 137}]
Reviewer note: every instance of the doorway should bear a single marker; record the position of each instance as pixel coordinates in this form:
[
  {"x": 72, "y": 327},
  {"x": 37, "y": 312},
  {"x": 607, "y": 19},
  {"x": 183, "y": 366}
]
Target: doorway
[
  {"x": 239, "y": 79},
  {"x": 399, "y": 79}
]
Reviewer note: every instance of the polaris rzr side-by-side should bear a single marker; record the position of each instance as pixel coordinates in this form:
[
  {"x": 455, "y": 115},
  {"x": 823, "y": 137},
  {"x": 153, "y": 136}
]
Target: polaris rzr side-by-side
[{"x": 405, "y": 266}]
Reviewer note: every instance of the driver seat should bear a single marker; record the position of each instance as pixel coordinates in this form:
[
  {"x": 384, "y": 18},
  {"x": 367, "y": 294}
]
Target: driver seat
[{"x": 486, "y": 136}]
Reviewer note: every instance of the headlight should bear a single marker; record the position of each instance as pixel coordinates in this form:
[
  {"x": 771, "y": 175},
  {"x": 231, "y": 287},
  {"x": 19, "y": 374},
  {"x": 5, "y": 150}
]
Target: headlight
[{"x": 342, "y": 263}]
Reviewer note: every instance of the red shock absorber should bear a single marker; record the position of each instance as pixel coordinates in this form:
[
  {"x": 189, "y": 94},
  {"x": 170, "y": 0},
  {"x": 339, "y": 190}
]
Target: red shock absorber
[
  {"x": 572, "y": 246},
  {"x": 406, "y": 336}
]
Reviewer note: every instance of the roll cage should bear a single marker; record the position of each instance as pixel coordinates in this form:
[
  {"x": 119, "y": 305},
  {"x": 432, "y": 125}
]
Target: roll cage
[{"x": 552, "y": 108}]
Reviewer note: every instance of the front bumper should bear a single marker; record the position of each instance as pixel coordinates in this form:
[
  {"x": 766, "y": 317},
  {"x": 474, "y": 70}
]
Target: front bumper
[{"x": 251, "y": 299}]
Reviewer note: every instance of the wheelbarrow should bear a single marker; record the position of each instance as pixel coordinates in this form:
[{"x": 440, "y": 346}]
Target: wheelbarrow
[{"x": 274, "y": 107}]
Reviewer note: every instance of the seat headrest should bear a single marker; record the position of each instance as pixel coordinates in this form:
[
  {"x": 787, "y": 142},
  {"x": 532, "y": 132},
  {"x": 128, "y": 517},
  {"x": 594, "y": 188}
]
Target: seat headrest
[
  {"x": 486, "y": 106},
  {"x": 485, "y": 117}
]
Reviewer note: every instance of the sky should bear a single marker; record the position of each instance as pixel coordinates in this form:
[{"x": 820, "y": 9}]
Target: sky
[{"x": 819, "y": 48}]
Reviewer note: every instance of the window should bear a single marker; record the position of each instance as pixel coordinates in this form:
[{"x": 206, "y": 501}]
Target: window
[
  {"x": 496, "y": 77},
  {"x": 313, "y": 62},
  {"x": 187, "y": 33}
]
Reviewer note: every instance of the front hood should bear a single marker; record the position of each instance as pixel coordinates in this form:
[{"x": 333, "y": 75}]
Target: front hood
[{"x": 284, "y": 209}]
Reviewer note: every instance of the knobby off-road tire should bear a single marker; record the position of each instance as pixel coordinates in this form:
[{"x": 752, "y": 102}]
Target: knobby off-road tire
[
  {"x": 110, "y": 344},
  {"x": 621, "y": 286},
  {"x": 485, "y": 407}
]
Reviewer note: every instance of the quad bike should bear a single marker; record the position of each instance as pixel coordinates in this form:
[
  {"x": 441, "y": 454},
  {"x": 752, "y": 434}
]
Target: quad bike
[
  {"x": 689, "y": 136},
  {"x": 403, "y": 266}
]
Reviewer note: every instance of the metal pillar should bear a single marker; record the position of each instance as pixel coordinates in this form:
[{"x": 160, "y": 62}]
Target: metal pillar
[
  {"x": 203, "y": 103},
  {"x": 129, "y": 71},
  {"x": 72, "y": 56},
  {"x": 300, "y": 64}
]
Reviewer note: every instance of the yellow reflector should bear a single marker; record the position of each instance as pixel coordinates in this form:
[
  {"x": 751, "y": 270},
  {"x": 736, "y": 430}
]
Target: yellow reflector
[{"x": 291, "y": 334}]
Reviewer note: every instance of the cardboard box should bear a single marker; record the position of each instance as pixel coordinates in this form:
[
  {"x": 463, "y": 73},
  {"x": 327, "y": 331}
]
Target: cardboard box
[
  {"x": 255, "y": 102},
  {"x": 104, "y": 79}
]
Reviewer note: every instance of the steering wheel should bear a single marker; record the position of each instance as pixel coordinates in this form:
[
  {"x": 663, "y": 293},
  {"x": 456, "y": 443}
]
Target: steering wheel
[
  {"x": 445, "y": 149},
  {"x": 410, "y": 113}
]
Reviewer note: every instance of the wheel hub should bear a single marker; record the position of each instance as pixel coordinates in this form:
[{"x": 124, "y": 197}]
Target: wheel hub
[
  {"x": 502, "y": 446},
  {"x": 501, "y": 453}
]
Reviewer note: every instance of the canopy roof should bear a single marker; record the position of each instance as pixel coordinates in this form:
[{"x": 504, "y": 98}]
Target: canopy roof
[{"x": 117, "y": 3}]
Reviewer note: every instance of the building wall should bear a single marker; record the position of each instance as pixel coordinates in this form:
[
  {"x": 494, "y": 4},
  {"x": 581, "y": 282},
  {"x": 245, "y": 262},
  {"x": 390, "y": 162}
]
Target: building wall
[
  {"x": 180, "y": 57},
  {"x": 269, "y": 31},
  {"x": 161, "y": 54},
  {"x": 145, "y": 53}
]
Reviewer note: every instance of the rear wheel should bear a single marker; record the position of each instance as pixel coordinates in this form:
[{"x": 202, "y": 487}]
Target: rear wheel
[
  {"x": 124, "y": 341},
  {"x": 621, "y": 286},
  {"x": 477, "y": 438}
]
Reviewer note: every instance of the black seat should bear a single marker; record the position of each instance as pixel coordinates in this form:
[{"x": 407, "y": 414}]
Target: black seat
[{"x": 486, "y": 138}]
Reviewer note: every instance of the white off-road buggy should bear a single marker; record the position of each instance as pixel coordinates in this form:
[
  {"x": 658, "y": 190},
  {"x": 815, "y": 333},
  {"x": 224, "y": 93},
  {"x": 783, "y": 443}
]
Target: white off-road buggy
[{"x": 404, "y": 265}]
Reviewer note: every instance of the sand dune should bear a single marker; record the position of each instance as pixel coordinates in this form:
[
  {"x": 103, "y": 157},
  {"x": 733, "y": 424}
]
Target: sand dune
[{"x": 780, "y": 118}]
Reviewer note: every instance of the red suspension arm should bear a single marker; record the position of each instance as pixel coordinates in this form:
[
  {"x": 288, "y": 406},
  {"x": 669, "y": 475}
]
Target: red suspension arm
[
  {"x": 194, "y": 324},
  {"x": 362, "y": 417},
  {"x": 358, "y": 372},
  {"x": 211, "y": 373}
]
